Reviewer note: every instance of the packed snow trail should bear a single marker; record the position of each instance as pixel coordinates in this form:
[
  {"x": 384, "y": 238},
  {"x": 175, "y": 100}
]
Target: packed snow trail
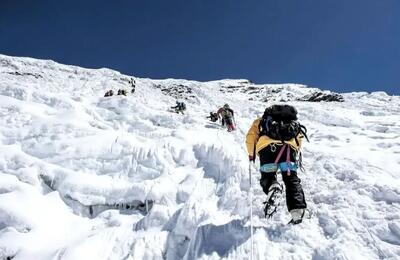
[{"x": 77, "y": 169}]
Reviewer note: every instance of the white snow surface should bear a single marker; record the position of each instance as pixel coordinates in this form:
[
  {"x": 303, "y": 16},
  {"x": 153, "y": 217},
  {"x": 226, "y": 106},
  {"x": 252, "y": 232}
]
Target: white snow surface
[{"x": 66, "y": 150}]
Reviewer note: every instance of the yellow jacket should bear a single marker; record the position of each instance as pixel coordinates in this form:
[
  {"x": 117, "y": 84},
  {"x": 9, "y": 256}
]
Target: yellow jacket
[{"x": 253, "y": 138}]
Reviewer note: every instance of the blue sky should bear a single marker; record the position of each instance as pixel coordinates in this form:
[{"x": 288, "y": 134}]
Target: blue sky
[{"x": 341, "y": 45}]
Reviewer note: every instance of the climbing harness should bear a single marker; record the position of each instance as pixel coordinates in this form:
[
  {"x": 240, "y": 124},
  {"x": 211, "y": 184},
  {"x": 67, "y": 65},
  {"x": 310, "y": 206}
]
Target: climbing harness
[{"x": 283, "y": 166}]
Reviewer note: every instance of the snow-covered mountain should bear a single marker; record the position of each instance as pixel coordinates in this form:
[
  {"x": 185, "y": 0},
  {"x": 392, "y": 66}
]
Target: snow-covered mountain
[{"x": 84, "y": 176}]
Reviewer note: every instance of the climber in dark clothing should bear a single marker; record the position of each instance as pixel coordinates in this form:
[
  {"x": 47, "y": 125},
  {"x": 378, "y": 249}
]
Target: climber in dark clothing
[
  {"x": 133, "y": 85},
  {"x": 122, "y": 92},
  {"x": 109, "y": 93},
  {"x": 180, "y": 107},
  {"x": 213, "y": 117},
  {"x": 227, "y": 117}
]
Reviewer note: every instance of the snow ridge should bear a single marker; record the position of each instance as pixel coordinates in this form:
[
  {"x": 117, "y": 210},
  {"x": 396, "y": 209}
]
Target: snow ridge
[{"x": 89, "y": 177}]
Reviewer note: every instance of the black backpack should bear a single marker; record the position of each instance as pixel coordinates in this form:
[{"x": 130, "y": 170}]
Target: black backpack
[
  {"x": 279, "y": 122},
  {"x": 228, "y": 113}
]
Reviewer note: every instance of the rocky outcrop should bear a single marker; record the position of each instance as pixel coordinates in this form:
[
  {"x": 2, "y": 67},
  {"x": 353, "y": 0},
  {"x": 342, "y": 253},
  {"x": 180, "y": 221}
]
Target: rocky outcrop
[
  {"x": 321, "y": 96},
  {"x": 177, "y": 91},
  {"x": 282, "y": 93}
]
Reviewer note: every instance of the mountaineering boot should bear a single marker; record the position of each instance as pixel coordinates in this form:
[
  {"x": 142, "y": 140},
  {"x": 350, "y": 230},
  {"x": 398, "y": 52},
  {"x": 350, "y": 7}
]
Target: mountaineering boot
[
  {"x": 297, "y": 216},
  {"x": 273, "y": 199}
]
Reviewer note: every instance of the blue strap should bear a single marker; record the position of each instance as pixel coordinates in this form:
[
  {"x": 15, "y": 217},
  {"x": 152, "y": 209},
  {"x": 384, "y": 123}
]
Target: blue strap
[
  {"x": 269, "y": 167},
  {"x": 283, "y": 166}
]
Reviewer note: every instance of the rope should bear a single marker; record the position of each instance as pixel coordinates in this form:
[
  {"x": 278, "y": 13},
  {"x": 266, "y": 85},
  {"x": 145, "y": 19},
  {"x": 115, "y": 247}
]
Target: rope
[{"x": 251, "y": 212}]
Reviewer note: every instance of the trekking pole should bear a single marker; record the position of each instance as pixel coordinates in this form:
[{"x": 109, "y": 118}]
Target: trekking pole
[{"x": 251, "y": 212}]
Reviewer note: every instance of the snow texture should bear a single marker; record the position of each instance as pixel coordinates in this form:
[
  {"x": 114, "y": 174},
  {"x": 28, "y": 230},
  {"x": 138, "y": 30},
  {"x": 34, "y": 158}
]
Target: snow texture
[{"x": 84, "y": 176}]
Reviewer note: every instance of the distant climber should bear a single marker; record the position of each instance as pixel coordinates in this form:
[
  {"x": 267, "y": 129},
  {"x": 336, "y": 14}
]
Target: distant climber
[
  {"x": 122, "y": 92},
  {"x": 133, "y": 85},
  {"x": 109, "y": 93},
  {"x": 213, "y": 117},
  {"x": 277, "y": 138},
  {"x": 180, "y": 107},
  {"x": 227, "y": 117}
]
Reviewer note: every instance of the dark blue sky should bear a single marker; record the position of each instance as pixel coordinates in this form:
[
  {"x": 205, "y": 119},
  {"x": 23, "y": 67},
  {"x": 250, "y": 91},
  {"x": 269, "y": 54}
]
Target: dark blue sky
[{"x": 341, "y": 45}]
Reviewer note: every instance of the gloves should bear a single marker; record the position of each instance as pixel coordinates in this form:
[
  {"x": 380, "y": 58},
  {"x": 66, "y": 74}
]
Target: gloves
[{"x": 252, "y": 158}]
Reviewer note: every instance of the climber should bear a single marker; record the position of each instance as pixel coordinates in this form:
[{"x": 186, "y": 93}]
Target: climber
[
  {"x": 227, "y": 117},
  {"x": 213, "y": 117},
  {"x": 109, "y": 93},
  {"x": 180, "y": 107},
  {"x": 122, "y": 92},
  {"x": 133, "y": 85},
  {"x": 276, "y": 138}
]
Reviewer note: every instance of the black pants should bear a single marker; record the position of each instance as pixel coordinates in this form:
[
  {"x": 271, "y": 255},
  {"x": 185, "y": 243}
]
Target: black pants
[
  {"x": 294, "y": 192},
  {"x": 227, "y": 121}
]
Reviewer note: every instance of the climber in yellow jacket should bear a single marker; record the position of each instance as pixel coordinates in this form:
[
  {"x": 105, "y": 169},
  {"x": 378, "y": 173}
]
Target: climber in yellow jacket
[{"x": 276, "y": 138}]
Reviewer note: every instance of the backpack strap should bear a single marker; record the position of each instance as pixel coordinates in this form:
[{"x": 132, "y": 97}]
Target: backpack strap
[
  {"x": 303, "y": 131},
  {"x": 263, "y": 125},
  {"x": 282, "y": 140}
]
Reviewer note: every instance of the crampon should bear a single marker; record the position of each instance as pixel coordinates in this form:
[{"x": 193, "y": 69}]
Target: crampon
[{"x": 273, "y": 200}]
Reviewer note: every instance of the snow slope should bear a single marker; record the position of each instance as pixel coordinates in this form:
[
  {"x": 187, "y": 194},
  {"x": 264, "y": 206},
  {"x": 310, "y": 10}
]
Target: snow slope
[{"x": 88, "y": 177}]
